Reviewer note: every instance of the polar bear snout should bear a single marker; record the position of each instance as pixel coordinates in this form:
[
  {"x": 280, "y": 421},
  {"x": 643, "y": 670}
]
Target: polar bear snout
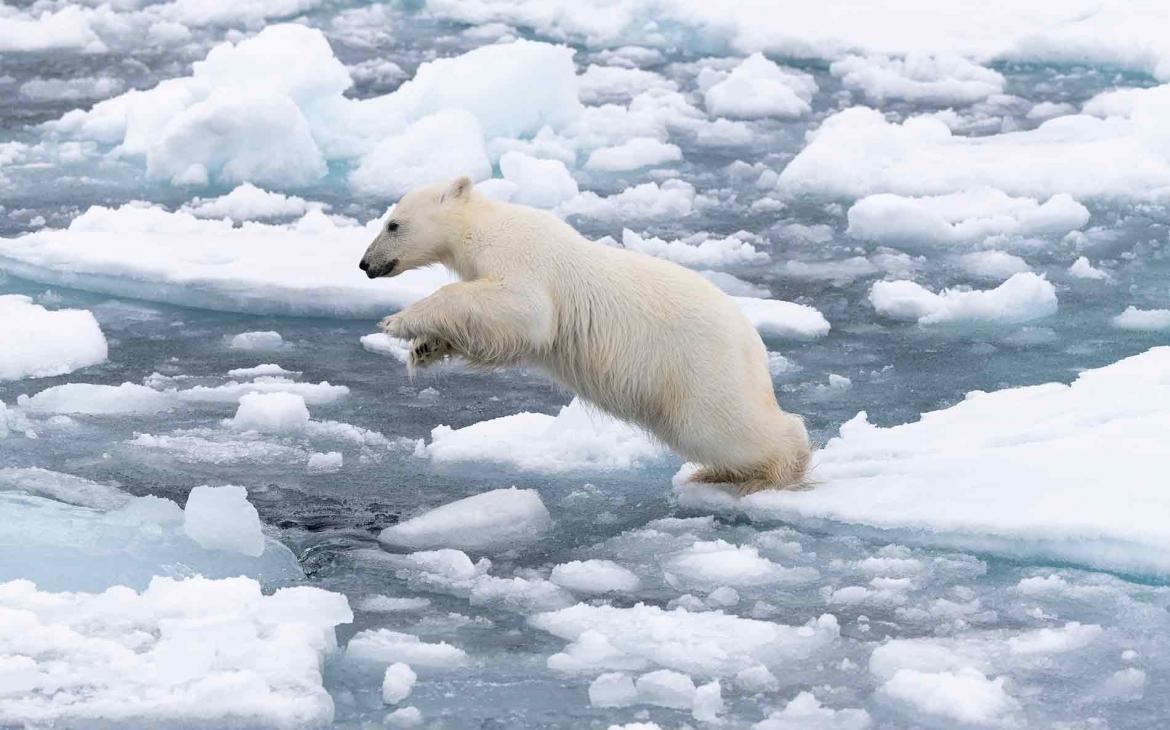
[{"x": 374, "y": 272}]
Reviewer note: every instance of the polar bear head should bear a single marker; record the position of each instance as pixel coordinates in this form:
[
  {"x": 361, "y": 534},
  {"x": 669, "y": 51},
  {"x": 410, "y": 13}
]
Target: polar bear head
[{"x": 422, "y": 229}]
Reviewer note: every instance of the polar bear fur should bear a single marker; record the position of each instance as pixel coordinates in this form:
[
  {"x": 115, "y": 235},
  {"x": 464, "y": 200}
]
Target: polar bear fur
[{"x": 643, "y": 339}]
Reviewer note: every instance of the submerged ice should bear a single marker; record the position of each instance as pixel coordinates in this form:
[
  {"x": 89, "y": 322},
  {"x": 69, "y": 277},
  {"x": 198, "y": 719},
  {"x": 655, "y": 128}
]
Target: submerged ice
[{"x": 951, "y": 234}]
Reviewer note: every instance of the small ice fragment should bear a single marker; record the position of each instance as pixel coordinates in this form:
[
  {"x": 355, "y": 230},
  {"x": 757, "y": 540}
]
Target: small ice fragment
[
  {"x": 221, "y": 518},
  {"x": 397, "y": 683}
]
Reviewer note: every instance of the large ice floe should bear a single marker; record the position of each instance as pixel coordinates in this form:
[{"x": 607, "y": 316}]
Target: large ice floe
[
  {"x": 194, "y": 650},
  {"x": 1068, "y": 472},
  {"x": 1023, "y": 297}
]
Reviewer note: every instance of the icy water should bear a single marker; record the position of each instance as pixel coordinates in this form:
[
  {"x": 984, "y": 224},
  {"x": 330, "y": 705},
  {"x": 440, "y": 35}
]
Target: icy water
[{"x": 878, "y": 585}]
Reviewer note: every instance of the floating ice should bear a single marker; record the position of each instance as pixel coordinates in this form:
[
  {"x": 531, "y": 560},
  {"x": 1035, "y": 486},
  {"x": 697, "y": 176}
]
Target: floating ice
[
  {"x": 539, "y": 183},
  {"x": 325, "y": 463},
  {"x": 633, "y": 154},
  {"x": 1018, "y": 471},
  {"x": 501, "y": 518},
  {"x": 246, "y": 203},
  {"x": 270, "y": 109},
  {"x": 666, "y": 689},
  {"x": 965, "y": 217},
  {"x": 708, "y": 644},
  {"x": 390, "y": 647},
  {"x": 397, "y": 683},
  {"x": 858, "y": 152},
  {"x": 304, "y": 268},
  {"x": 221, "y": 518},
  {"x": 612, "y": 689},
  {"x": 98, "y": 400},
  {"x": 63, "y": 546},
  {"x": 1082, "y": 269},
  {"x": 184, "y": 652},
  {"x": 805, "y": 712},
  {"x": 266, "y": 340},
  {"x": 943, "y": 79},
  {"x": 384, "y": 344},
  {"x": 38, "y": 343},
  {"x": 647, "y": 201},
  {"x": 278, "y": 412},
  {"x": 608, "y": 83},
  {"x": 1022, "y": 298},
  {"x": 759, "y": 88},
  {"x": 719, "y": 563},
  {"x": 1142, "y": 320},
  {"x": 784, "y": 319},
  {"x": 993, "y": 265},
  {"x": 594, "y": 576},
  {"x": 437, "y": 147},
  {"x": 698, "y": 250},
  {"x": 578, "y": 437},
  {"x": 67, "y": 28}
]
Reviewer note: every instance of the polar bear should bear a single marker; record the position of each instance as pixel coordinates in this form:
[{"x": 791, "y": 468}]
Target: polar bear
[{"x": 643, "y": 339}]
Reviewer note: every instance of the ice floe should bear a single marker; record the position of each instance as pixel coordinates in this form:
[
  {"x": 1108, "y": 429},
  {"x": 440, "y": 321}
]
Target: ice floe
[
  {"x": 39, "y": 342},
  {"x": 1142, "y": 320},
  {"x": 308, "y": 267},
  {"x": 758, "y": 88},
  {"x": 221, "y": 518},
  {"x": 191, "y": 651},
  {"x": 943, "y": 79},
  {"x": 968, "y": 217},
  {"x": 699, "y": 250},
  {"x": 1017, "y": 471},
  {"x": 578, "y": 437},
  {"x": 858, "y": 152},
  {"x": 501, "y": 518},
  {"x": 1022, "y": 298}
]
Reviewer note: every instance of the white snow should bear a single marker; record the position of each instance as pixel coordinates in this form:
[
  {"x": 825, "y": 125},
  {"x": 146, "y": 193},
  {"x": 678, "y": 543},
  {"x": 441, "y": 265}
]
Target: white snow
[
  {"x": 857, "y": 152},
  {"x": 308, "y": 267},
  {"x": 501, "y": 518},
  {"x": 698, "y": 250},
  {"x": 397, "y": 683},
  {"x": 1017, "y": 471},
  {"x": 666, "y": 688},
  {"x": 707, "y": 644},
  {"x": 1142, "y": 320},
  {"x": 1022, "y": 298},
  {"x": 805, "y": 712},
  {"x": 594, "y": 576},
  {"x": 1083, "y": 269},
  {"x": 942, "y": 79},
  {"x": 247, "y": 203},
  {"x": 784, "y": 319},
  {"x": 539, "y": 183},
  {"x": 38, "y": 343},
  {"x": 391, "y": 647},
  {"x": 181, "y": 652},
  {"x": 759, "y": 88},
  {"x": 221, "y": 518},
  {"x": 968, "y": 217},
  {"x": 633, "y": 154},
  {"x": 271, "y": 413},
  {"x": 578, "y": 437}
]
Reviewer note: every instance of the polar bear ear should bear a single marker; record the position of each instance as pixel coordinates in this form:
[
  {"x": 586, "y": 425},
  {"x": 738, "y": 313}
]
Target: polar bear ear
[{"x": 460, "y": 189}]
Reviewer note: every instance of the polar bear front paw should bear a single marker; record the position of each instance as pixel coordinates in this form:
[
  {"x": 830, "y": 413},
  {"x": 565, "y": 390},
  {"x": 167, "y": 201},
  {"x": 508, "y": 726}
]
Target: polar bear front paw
[
  {"x": 395, "y": 326},
  {"x": 426, "y": 351}
]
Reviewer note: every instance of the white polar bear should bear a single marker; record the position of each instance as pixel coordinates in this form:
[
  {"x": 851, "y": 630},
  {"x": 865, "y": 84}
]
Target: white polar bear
[{"x": 643, "y": 339}]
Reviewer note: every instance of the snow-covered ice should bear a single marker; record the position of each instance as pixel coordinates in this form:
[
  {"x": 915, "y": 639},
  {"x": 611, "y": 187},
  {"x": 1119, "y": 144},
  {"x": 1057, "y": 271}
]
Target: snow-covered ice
[
  {"x": 221, "y": 518},
  {"x": 193, "y": 651},
  {"x": 501, "y": 518},
  {"x": 1023, "y": 297},
  {"x": 577, "y": 438},
  {"x": 38, "y": 342}
]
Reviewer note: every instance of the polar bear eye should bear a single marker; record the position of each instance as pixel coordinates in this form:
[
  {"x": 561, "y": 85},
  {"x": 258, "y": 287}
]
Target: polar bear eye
[{"x": 391, "y": 226}]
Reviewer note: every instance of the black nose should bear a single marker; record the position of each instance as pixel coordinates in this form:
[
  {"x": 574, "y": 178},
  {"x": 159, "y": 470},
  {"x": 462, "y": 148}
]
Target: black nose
[{"x": 364, "y": 265}]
